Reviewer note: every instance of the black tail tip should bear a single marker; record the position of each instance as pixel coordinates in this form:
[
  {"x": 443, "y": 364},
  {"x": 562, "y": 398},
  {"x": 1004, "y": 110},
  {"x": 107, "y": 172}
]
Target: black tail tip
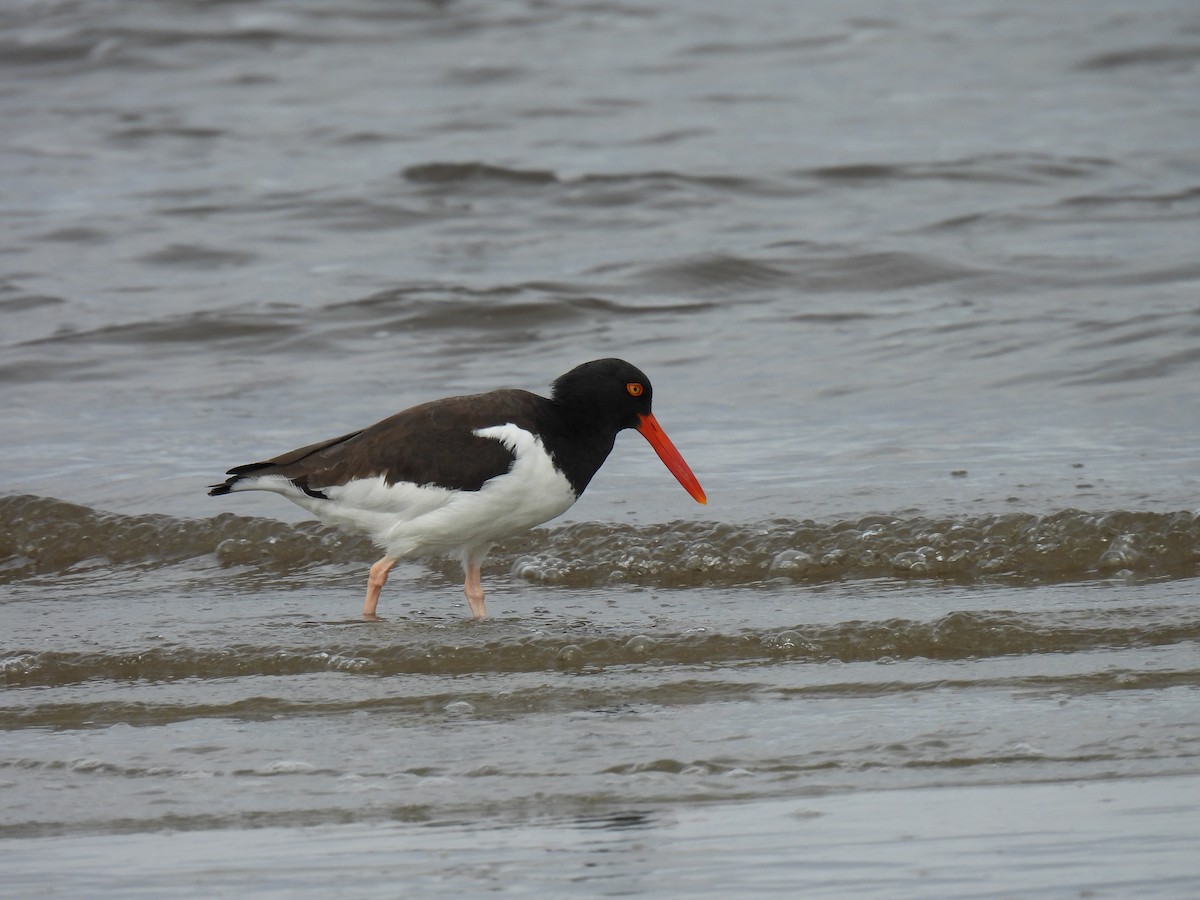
[{"x": 216, "y": 490}]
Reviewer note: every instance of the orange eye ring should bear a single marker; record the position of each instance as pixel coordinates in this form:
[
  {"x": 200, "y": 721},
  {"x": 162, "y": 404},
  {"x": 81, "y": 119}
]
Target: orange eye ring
[{"x": 635, "y": 389}]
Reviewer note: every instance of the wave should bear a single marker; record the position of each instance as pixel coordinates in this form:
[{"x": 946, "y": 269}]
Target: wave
[
  {"x": 447, "y": 173},
  {"x": 476, "y": 173},
  {"x": 991, "y": 168},
  {"x": 816, "y": 271},
  {"x": 41, "y": 535},
  {"x": 999, "y": 168},
  {"x": 1155, "y": 55},
  {"x": 511, "y": 308},
  {"x": 416, "y": 650}
]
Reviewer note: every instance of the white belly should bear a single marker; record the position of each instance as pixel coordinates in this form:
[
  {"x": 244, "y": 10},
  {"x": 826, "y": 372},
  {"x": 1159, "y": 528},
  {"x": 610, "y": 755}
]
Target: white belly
[{"x": 406, "y": 519}]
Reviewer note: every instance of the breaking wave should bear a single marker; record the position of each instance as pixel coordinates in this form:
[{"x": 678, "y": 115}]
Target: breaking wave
[{"x": 40, "y": 535}]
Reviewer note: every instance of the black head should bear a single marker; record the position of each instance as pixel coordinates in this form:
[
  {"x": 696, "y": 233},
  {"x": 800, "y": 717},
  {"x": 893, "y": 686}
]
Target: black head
[
  {"x": 609, "y": 393},
  {"x": 595, "y": 401}
]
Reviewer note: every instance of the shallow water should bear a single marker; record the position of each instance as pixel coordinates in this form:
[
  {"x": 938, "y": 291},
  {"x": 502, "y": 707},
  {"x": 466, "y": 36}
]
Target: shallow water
[
  {"x": 913, "y": 843},
  {"x": 916, "y": 287}
]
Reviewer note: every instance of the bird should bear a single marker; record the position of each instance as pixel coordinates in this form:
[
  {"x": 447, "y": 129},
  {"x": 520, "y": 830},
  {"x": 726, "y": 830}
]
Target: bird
[{"x": 453, "y": 477}]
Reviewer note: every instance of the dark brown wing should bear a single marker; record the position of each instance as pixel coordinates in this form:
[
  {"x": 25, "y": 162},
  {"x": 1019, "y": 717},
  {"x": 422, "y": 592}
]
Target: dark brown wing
[{"x": 430, "y": 444}]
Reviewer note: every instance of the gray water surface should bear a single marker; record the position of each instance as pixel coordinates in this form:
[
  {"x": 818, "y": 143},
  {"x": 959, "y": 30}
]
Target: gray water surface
[{"x": 916, "y": 284}]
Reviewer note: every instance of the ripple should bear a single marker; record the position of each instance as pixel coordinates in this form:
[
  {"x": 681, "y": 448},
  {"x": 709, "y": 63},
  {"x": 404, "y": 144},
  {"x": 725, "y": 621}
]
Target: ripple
[{"x": 41, "y": 534}]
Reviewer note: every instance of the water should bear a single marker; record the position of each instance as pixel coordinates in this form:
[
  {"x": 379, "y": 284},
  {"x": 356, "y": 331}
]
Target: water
[{"x": 916, "y": 286}]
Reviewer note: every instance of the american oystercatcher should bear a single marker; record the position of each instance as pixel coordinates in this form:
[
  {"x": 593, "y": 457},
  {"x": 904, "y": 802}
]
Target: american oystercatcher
[{"x": 455, "y": 476}]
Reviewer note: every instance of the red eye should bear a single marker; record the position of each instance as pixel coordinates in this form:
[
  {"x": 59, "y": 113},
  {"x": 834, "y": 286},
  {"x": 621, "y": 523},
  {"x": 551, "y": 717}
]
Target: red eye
[{"x": 635, "y": 389}]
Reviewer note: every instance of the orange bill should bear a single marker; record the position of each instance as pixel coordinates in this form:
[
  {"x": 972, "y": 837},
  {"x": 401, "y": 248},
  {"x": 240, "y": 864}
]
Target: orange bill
[{"x": 652, "y": 431}]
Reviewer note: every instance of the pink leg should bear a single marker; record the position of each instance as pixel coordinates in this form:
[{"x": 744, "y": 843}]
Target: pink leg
[
  {"x": 473, "y": 588},
  {"x": 375, "y": 582},
  {"x": 472, "y": 585}
]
